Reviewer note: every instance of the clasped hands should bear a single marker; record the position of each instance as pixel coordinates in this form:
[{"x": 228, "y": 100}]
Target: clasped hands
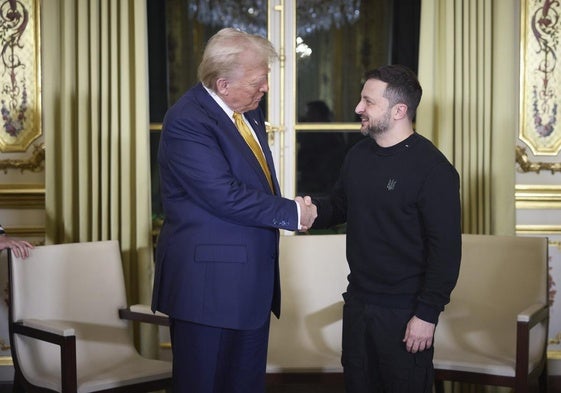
[{"x": 308, "y": 212}]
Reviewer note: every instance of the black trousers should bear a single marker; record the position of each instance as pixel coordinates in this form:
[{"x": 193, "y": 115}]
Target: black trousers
[{"x": 374, "y": 357}]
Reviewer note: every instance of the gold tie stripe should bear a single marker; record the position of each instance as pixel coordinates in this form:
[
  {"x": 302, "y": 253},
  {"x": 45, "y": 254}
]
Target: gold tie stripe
[{"x": 253, "y": 145}]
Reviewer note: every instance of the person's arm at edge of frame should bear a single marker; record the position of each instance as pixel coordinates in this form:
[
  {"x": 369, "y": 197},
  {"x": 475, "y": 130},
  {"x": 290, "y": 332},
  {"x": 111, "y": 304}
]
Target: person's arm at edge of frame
[{"x": 20, "y": 248}]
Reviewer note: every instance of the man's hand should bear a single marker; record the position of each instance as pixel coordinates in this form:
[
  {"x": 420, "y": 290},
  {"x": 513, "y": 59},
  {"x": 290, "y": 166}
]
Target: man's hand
[
  {"x": 308, "y": 212},
  {"x": 418, "y": 335}
]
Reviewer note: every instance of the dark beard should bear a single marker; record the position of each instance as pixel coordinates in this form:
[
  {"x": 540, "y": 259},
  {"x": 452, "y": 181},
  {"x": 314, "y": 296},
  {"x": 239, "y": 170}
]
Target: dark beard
[{"x": 377, "y": 129}]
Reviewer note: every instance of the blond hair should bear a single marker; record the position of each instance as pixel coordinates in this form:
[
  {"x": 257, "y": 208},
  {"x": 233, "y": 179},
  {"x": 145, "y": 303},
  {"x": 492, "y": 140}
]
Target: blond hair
[{"x": 221, "y": 57}]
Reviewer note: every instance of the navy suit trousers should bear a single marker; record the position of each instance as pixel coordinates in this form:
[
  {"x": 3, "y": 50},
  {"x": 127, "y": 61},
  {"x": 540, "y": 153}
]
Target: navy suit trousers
[{"x": 209, "y": 359}]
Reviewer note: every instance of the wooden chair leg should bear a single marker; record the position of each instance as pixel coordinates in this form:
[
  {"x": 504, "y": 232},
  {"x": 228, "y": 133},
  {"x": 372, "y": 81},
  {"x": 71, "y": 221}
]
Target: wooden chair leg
[
  {"x": 17, "y": 386},
  {"x": 439, "y": 386},
  {"x": 542, "y": 381}
]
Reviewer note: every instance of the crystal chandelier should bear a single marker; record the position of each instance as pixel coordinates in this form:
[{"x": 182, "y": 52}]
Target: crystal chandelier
[{"x": 251, "y": 15}]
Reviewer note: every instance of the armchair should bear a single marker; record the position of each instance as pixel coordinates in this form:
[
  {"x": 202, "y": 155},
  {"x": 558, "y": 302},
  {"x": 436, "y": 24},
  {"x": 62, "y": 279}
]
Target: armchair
[
  {"x": 65, "y": 328},
  {"x": 494, "y": 330}
]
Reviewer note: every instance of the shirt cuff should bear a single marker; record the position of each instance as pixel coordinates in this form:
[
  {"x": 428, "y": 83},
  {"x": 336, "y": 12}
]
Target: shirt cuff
[
  {"x": 427, "y": 313},
  {"x": 298, "y": 208}
]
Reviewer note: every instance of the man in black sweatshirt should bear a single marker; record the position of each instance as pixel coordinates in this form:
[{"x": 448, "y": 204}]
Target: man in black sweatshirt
[{"x": 399, "y": 196}]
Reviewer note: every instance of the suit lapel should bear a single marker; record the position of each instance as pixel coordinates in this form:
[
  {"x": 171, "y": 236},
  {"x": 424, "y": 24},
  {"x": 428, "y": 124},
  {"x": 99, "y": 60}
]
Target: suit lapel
[{"x": 257, "y": 122}]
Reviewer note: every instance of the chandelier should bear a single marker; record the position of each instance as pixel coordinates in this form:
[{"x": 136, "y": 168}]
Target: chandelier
[{"x": 251, "y": 15}]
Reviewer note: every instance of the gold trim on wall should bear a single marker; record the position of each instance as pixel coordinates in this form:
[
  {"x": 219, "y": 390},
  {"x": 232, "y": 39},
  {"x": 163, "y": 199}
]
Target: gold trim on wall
[
  {"x": 26, "y": 232},
  {"x": 16, "y": 196},
  {"x": 322, "y": 127},
  {"x": 6, "y": 361},
  {"x": 538, "y": 229},
  {"x": 35, "y": 163},
  {"x": 20, "y": 75},
  {"x": 528, "y": 166},
  {"x": 540, "y": 95},
  {"x": 537, "y": 196},
  {"x": 4, "y": 345}
]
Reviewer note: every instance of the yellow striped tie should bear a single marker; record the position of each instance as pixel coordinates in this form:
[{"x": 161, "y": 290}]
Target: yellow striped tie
[{"x": 253, "y": 145}]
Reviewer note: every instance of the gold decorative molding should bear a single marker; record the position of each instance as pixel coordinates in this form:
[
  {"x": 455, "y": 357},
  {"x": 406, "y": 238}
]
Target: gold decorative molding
[
  {"x": 155, "y": 126},
  {"x": 6, "y": 361},
  {"x": 17, "y": 196},
  {"x": 4, "y": 345},
  {"x": 538, "y": 229},
  {"x": 20, "y": 75},
  {"x": 26, "y": 232},
  {"x": 323, "y": 127},
  {"x": 556, "y": 340},
  {"x": 35, "y": 163},
  {"x": 538, "y": 196},
  {"x": 528, "y": 166},
  {"x": 539, "y": 73}
]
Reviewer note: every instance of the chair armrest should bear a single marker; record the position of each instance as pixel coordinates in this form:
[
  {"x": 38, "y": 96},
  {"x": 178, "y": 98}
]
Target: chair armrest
[
  {"x": 533, "y": 314},
  {"x": 54, "y": 327},
  {"x": 143, "y": 313},
  {"x": 43, "y": 330},
  {"x": 51, "y": 331},
  {"x": 526, "y": 320}
]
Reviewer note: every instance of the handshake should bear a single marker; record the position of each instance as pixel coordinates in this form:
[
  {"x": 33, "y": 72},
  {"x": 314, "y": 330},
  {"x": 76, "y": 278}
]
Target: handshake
[{"x": 308, "y": 212}]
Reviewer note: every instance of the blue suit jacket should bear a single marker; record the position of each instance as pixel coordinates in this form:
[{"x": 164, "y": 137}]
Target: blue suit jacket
[{"x": 217, "y": 252}]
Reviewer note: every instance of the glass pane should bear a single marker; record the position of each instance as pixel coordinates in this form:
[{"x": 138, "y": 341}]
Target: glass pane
[
  {"x": 178, "y": 32},
  {"x": 339, "y": 40}
]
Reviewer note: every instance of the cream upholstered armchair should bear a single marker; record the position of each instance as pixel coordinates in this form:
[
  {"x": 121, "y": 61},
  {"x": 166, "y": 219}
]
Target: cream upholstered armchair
[
  {"x": 494, "y": 331},
  {"x": 65, "y": 327}
]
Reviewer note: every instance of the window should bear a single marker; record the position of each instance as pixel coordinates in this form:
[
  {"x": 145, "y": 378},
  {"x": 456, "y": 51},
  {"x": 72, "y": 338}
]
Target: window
[{"x": 335, "y": 42}]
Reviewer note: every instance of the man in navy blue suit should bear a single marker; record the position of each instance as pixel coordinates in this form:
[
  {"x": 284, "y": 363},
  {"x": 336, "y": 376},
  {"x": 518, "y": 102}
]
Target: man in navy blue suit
[{"x": 217, "y": 273}]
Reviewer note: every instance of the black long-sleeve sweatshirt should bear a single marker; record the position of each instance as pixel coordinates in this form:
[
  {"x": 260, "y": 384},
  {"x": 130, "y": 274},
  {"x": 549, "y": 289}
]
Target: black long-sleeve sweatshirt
[{"x": 402, "y": 209}]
